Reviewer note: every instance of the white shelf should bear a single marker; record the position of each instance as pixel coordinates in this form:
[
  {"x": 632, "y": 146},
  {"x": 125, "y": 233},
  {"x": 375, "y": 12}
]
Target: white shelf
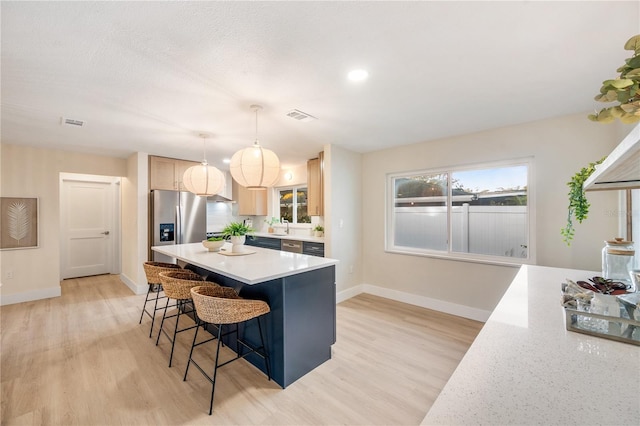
[{"x": 621, "y": 169}]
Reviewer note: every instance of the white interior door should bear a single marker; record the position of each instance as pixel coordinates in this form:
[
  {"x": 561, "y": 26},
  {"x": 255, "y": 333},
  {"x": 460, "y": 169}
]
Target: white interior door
[{"x": 87, "y": 214}]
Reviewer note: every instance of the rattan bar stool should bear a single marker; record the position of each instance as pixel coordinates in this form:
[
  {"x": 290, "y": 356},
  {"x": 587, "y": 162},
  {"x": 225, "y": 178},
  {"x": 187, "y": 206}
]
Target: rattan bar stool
[
  {"x": 152, "y": 271},
  {"x": 177, "y": 286},
  {"x": 221, "y": 306}
]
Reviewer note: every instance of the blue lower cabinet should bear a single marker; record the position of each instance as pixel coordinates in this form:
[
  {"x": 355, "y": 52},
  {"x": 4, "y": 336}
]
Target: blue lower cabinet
[
  {"x": 313, "y": 249},
  {"x": 308, "y": 247},
  {"x": 264, "y": 242}
]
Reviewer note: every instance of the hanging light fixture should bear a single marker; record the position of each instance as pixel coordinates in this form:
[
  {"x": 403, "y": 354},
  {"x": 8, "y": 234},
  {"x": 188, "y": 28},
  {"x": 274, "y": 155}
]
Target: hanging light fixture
[
  {"x": 255, "y": 167},
  {"x": 203, "y": 179}
]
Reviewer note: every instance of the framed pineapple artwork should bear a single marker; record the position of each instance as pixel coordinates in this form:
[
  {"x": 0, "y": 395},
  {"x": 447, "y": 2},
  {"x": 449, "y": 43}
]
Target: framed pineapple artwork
[{"x": 18, "y": 223}]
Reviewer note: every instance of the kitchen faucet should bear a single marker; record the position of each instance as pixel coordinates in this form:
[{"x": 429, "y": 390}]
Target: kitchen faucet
[{"x": 287, "y": 222}]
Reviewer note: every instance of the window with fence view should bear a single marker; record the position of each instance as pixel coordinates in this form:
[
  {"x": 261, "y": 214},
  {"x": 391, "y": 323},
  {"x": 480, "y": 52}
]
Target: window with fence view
[{"x": 481, "y": 212}]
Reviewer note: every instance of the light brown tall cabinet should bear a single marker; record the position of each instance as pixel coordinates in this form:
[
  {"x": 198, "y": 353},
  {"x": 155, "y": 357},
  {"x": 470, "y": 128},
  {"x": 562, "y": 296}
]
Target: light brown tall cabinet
[
  {"x": 250, "y": 202},
  {"x": 315, "y": 186},
  {"x": 166, "y": 173}
]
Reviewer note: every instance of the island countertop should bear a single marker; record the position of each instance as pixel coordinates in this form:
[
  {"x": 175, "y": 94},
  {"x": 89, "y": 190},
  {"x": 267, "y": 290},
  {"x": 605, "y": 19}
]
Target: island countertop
[
  {"x": 526, "y": 368},
  {"x": 263, "y": 265}
]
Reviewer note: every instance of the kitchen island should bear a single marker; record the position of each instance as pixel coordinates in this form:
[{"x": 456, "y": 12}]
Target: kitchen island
[
  {"x": 526, "y": 368},
  {"x": 299, "y": 289}
]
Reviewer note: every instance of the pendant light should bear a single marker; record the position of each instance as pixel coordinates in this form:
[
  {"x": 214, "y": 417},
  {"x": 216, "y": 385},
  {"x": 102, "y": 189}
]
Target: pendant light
[
  {"x": 255, "y": 167},
  {"x": 203, "y": 179}
]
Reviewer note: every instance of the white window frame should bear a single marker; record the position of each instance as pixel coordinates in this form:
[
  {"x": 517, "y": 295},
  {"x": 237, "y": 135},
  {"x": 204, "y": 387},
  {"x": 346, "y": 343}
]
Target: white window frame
[
  {"x": 449, "y": 254},
  {"x": 276, "y": 204}
]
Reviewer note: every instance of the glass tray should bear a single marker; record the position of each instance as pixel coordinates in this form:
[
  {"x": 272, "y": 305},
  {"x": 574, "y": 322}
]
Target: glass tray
[{"x": 621, "y": 329}]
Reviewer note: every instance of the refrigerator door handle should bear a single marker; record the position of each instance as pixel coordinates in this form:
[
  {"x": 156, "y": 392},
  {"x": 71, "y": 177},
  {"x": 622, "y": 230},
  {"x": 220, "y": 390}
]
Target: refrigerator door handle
[{"x": 178, "y": 224}]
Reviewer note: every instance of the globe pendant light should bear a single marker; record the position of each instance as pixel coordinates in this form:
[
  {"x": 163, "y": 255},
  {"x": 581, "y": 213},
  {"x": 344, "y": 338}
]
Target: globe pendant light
[
  {"x": 255, "y": 167},
  {"x": 203, "y": 179}
]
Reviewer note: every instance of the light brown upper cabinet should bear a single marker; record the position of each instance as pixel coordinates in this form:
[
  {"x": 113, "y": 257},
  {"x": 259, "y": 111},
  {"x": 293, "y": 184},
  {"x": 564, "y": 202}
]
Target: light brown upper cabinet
[
  {"x": 315, "y": 186},
  {"x": 166, "y": 173},
  {"x": 250, "y": 202}
]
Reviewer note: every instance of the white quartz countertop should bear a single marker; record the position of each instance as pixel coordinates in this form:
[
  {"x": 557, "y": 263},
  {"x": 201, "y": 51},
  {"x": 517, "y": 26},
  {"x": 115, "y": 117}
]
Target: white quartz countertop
[
  {"x": 263, "y": 265},
  {"x": 526, "y": 368},
  {"x": 290, "y": 237}
]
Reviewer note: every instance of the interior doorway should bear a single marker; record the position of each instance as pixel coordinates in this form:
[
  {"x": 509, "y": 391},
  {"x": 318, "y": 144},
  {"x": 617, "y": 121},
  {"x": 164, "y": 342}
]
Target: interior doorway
[{"x": 89, "y": 225}]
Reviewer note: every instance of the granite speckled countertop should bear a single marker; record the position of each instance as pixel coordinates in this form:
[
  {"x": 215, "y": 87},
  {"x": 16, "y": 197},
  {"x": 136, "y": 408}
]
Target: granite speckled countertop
[{"x": 526, "y": 368}]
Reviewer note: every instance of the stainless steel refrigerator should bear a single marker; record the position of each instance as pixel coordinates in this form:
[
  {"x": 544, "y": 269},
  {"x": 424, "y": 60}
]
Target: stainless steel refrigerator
[{"x": 176, "y": 218}]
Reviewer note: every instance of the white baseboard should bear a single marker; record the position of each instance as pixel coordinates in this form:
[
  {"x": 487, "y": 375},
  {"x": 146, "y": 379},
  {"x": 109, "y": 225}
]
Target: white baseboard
[
  {"x": 399, "y": 296},
  {"x": 135, "y": 288},
  {"x": 29, "y": 296},
  {"x": 343, "y": 295},
  {"x": 412, "y": 299}
]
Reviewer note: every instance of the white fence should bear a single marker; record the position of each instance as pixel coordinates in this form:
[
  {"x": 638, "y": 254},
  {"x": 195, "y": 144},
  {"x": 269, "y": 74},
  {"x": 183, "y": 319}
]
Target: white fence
[{"x": 490, "y": 230}]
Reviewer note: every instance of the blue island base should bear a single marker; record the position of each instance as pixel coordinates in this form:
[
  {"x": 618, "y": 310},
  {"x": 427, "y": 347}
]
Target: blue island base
[{"x": 301, "y": 326}]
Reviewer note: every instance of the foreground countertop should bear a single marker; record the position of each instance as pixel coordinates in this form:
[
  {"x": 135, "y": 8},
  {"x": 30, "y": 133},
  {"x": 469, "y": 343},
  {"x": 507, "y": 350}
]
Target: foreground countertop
[
  {"x": 263, "y": 265},
  {"x": 526, "y": 368}
]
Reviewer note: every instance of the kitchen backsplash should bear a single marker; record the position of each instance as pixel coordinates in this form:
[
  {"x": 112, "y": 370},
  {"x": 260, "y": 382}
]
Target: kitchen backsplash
[{"x": 220, "y": 214}]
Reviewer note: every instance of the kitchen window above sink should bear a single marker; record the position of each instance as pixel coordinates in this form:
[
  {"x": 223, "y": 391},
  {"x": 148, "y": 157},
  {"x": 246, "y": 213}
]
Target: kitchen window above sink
[{"x": 293, "y": 204}]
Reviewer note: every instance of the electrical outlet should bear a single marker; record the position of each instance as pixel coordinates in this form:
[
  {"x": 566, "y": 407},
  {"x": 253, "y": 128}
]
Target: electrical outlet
[{"x": 9, "y": 275}]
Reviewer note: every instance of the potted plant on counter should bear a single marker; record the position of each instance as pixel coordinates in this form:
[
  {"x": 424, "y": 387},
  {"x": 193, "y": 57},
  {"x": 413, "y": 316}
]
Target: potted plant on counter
[
  {"x": 318, "y": 231},
  {"x": 213, "y": 243},
  {"x": 236, "y": 233},
  {"x": 271, "y": 222}
]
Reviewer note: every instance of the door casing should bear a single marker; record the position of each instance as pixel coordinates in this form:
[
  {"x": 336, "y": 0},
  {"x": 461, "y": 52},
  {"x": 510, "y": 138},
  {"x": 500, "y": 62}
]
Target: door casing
[{"x": 113, "y": 218}]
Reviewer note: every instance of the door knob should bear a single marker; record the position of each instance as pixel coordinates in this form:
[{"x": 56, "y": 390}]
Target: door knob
[{"x": 105, "y": 232}]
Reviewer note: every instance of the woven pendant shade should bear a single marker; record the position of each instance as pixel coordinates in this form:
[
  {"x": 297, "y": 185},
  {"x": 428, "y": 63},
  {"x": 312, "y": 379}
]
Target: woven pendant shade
[
  {"x": 255, "y": 167},
  {"x": 203, "y": 180}
]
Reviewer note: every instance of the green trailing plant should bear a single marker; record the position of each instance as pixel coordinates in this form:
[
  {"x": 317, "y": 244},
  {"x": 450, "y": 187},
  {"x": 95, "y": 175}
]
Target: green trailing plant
[
  {"x": 236, "y": 229},
  {"x": 319, "y": 228},
  {"x": 625, "y": 90},
  {"x": 578, "y": 204}
]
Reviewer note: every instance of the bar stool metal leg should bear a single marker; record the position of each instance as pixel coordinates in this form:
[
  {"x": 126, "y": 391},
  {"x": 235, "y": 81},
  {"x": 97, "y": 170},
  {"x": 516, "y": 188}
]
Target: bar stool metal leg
[
  {"x": 215, "y": 369},
  {"x": 155, "y": 308},
  {"x": 223, "y": 307},
  {"x": 181, "y": 305},
  {"x": 144, "y": 306}
]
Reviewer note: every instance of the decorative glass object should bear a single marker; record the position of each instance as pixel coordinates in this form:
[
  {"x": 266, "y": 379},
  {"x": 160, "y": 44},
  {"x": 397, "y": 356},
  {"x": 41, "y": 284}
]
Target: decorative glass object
[{"x": 617, "y": 260}]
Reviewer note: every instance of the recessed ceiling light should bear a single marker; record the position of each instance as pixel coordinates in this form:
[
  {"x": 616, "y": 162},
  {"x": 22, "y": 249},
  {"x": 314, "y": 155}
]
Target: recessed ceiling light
[
  {"x": 358, "y": 75},
  {"x": 226, "y": 161}
]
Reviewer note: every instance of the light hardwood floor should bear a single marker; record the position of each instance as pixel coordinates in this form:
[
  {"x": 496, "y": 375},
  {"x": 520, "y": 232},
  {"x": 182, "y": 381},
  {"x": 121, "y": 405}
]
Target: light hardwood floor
[{"x": 82, "y": 359}]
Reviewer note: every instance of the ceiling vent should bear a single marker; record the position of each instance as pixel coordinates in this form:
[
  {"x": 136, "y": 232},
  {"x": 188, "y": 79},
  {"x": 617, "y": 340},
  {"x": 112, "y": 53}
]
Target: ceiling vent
[
  {"x": 300, "y": 116},
  {"x": 71, "y": 122}
]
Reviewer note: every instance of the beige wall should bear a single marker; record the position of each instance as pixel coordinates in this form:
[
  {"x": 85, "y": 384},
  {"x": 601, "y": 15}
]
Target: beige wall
[
  {"x": 559, "y": 146},
  {"x": 343, "y": 215},
  {"x": 135, "y": 206},
  {"x": 34, "y": 172},
  {"x": 354, "y": 194}
]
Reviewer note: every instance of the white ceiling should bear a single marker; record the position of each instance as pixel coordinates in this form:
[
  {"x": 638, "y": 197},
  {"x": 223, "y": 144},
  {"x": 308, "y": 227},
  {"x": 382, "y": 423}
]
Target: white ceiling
[{"x": 151, "y": 76}]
